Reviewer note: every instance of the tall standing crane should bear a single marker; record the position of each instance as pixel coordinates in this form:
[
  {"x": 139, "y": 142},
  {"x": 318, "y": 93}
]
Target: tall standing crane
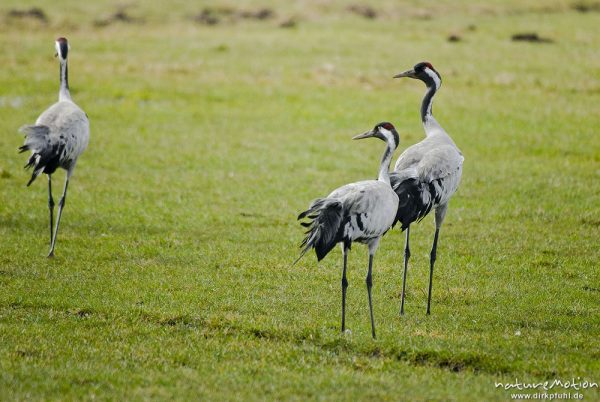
[
  {"x": 426, "y": 174},
  {"x": 59, "y": 136}
]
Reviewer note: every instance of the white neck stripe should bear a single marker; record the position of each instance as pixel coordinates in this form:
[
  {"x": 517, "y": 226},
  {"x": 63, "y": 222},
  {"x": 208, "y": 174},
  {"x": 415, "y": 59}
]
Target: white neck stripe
[
  {"x": 386, "y": 133},
  {"x": 434, "y": 77}
]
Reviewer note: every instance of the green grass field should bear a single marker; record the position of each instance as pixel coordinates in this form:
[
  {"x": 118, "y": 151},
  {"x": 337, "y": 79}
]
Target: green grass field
[{"x": 172, "y": 278}]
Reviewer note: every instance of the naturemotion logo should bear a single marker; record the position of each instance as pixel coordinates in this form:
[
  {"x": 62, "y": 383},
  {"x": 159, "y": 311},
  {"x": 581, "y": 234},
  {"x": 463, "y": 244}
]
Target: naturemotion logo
[{"x": 574, "y": 384}]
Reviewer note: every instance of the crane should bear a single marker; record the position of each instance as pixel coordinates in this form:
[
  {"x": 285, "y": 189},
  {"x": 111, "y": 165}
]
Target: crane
[
  {"x": 60, "y": 134},
  {"x": 426, "y": 174},
  {"x": 357, "y": 212}
]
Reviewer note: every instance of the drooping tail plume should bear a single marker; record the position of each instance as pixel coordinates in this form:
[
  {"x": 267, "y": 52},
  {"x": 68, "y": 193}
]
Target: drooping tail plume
[
  {"x": 43, "y": 151},
  {"x": 324, "y": 228}
]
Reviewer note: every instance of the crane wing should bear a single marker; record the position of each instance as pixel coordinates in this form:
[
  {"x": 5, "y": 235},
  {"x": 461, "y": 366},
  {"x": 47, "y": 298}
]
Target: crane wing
[
  {"x": 359, "y": 197},
  {"x": 439, "y": 163}
]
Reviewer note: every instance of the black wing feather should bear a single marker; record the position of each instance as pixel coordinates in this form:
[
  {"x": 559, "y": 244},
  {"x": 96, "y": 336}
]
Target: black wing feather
[
  {"x": 45, "y": 153},
  {"x": 325, "y": 228},
  {"x": 416, "y": 198}
]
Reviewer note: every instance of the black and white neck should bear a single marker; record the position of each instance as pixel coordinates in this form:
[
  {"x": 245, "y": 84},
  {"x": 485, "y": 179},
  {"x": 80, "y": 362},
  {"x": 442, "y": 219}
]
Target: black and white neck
[
  {"x": 62, "y": 50},
  {"x": 386, "y": 132},
  {"x": 433, "y": 82},
  {"x": 425, "y": 72},
  {"x": 392, "y": 140}
]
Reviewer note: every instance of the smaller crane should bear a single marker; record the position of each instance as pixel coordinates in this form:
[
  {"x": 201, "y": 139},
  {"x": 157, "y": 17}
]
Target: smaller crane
[
  {"x": 357, "y": 212},
  {"x": 59, "y": 136}
]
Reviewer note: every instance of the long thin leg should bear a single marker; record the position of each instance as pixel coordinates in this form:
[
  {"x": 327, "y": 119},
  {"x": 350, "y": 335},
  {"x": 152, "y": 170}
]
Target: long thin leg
[
  {"x": 369, "y": 281},
  {"x": 344, "y": 286},
  {"x": 50, "y": 206},
  {"x": 61, "y": 205},
  {"x": 431, "y": 262},
  {"x": 406, "y": 257}
]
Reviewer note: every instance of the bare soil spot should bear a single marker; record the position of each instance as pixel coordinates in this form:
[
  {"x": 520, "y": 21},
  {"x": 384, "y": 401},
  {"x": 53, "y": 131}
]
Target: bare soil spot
[
  {"x": 208, "y": 16},
  {"x": 217, "y": 15},
  {"x": 121, "y": 15},
  {"x": 33, "y": 13},
  {"x": 586, "y": 7},
  {"x": 530, "y": 37},
  {"x": 260, "y": 14},
  {"x": 364, "y": 11}
]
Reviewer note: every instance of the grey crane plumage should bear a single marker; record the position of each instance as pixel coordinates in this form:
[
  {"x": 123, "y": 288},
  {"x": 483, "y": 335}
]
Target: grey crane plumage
[
  {"x": 59, "y": 136},
  {"x": 357, "y": 212},
  {"x": 426, "y": 174}
]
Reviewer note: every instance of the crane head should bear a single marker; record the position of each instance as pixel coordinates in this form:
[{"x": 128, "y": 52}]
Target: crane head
[
  {"x": 384, "y": 131},
  {"x": 62, "y": 48},
  {"x": 425, "y": 72}
]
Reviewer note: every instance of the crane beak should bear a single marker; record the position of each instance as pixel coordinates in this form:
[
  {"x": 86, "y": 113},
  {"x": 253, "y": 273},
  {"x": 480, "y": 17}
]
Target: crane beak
[
  {"x": 368, "y": 134},
  {"x": 408, "y": 73}
]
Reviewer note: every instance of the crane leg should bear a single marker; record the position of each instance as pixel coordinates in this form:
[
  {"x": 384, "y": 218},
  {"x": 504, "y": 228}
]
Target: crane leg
[
  {"x": 344, "y": 286},
  {"x": 50, "y": 206},
  {"x": 406, "y": 257},
  {"x": 440, "y": 214},
  {"x": 61, "y": 205},
  {"x": 431, "y": 262},
  {"x": 369, "y": 281}
]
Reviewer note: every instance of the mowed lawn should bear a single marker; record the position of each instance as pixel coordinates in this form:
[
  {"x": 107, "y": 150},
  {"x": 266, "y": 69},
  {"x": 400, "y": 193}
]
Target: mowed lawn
[{"x": 172, "y": 277}]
